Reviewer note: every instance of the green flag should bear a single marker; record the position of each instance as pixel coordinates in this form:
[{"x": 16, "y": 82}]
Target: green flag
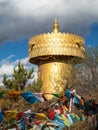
[
  {"x": 56, "y": 95},
  {"x": 1, "y": 94}
]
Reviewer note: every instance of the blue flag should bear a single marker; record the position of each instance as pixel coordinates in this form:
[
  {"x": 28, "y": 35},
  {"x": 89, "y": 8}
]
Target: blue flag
[
  {"x": 1, "y": 116},
  {"x": 67, "y": 93},
  {"x": 73, "y": 119},
  {"x": 76, "y": 100},
  {"x": 21, "y": 125},
  {"x": 60, "y": 125},
  {"x": 29, "y": 97},
  {"x": 58, "y": 119}
]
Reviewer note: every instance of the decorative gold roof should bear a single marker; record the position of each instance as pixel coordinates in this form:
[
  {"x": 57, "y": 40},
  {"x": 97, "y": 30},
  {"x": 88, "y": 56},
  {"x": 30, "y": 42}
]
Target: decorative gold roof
[{"x": 55, "y": 44}]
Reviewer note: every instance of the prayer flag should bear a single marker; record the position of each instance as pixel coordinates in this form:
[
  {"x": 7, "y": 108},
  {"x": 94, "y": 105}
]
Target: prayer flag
[
  {"x": 67, "y": 122},
  {"x": 72, "y": 117},
  {"x": 39, "y": 96},
  {"x": 59, "y": 119},
  {"x": 1, "y": 116},
  {"x": 10, "y": 114},
  {"x": 67, "y": 93},
  {"x": 41, "y": 115},
  {"x": 62, "y": 97},
  {"x": 77, "y": 117},
  {"x": 76, "y": 100},
  {"x": 21, "y": 125},
  {"x": 56, "y": 95},
  {"x": 29, "y": 97},
  {"x": 60, "y": 125},
  {"x": 13, "y": 93},
  {"x": 1, "y": 94}
]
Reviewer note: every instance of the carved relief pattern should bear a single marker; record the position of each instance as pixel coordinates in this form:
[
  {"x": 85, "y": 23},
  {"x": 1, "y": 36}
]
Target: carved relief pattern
[{"x": 54, "y": 75}]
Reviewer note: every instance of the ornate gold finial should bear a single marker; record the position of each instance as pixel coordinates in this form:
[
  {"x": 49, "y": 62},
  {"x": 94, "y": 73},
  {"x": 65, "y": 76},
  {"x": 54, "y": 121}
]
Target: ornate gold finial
[{"x": 55, "y": 26}]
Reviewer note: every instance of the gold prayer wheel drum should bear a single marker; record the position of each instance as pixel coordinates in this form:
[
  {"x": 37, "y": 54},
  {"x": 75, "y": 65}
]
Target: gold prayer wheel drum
[
  {"x": 54, "y": 76},
  {"x": 55, "y": 53}
]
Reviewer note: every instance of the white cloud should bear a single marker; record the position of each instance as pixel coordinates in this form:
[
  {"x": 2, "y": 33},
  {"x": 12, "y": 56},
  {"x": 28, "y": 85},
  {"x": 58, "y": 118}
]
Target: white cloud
[
  {"x": 37, "y": 7},
  {"x": 24, "y": 61},
  {"x": 24, "y": 18},
  {"x": 35, "y": 78},
  {"x": 1, "y": 84},
  {"x": 6, "y": 60},
  {"x": 7, "y": 66},
  {"x": 6, "y": 69}
]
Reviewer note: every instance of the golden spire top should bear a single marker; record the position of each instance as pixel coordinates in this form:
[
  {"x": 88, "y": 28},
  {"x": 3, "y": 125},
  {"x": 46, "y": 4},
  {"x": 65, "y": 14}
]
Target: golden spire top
[{"x": 55, "y": 26}]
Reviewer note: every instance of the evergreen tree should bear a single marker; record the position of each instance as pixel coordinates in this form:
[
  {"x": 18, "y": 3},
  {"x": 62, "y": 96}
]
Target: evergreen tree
[{"x": 19, "y": 78}]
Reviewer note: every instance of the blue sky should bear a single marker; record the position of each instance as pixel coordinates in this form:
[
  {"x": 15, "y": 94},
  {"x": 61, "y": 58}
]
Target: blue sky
[
  {"x": 92, "y": 37},
  {"x": 20, "y": 20},
  {"x": 17, "y": 48}
]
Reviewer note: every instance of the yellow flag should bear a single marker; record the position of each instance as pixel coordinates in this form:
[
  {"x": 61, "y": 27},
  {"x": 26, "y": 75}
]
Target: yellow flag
[
  {"x": 41, "y": 115},
  {"x": 31, "y": 129},
  {"x": 10, "y": 114},
  {"x": 65, "y": 108},
  {"x": 62, "y": 120},
  {"x": 13, "y": 93},
  {"x": 62, "y": 97}
]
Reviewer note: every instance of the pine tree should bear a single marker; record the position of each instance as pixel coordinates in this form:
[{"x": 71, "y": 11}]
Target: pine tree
[{"x": 19, "y": 78}]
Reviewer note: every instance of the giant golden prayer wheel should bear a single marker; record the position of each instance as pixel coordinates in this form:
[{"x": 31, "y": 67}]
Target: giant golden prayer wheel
[{"x": 55, "y": 53}]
